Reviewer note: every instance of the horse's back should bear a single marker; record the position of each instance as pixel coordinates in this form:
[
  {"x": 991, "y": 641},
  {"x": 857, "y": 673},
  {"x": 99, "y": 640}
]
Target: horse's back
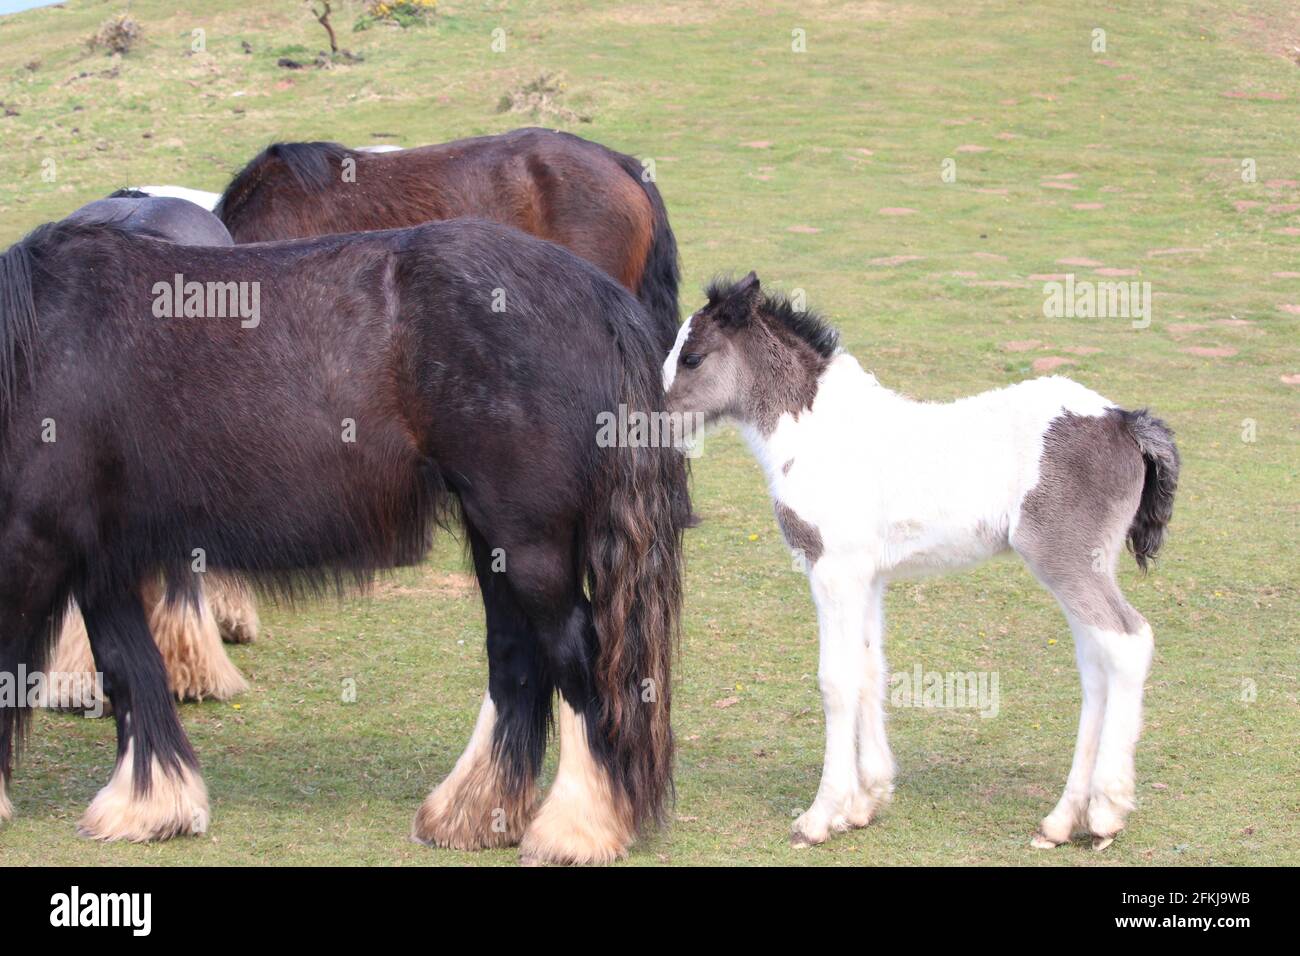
[
  {"x": 170, "y": 219},
  {"x": 549, "y": 184},
  {"x": 377, "y": 370}
]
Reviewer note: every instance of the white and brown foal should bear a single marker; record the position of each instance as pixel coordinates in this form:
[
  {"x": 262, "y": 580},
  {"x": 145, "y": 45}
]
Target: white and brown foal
[{"x": 871, "y": 486}]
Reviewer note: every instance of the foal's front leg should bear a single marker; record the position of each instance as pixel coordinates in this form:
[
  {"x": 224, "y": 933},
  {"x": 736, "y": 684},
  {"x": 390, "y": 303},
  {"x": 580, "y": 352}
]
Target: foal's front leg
[
  {"x": 842, "y": 673},
  {"x": 875, "y": 762}
]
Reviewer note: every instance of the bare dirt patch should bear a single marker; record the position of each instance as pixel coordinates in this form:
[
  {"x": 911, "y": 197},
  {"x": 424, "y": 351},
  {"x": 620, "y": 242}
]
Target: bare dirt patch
[
  {"x": 1049, "y": 363},
  {"x": 430, "y": 584}
]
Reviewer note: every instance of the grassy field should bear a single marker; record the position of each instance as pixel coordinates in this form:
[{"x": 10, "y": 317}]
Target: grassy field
[{"x": 824, "y": 171}]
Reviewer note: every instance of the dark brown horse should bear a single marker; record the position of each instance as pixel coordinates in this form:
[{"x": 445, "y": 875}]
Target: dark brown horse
[
  {"x": 600, "y": 204},
  {"x": 303, "y": 413}
]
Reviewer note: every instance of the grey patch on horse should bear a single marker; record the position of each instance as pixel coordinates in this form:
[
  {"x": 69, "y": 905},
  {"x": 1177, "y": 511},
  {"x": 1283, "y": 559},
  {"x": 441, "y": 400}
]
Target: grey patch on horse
[
  {"x": 785, "y": 469},
  {"x": 1074, "y": 521},
  {"x": 799, "y": 534},
  {"x": 786, "y": 371},
  {"x": 158, "y": 217}
]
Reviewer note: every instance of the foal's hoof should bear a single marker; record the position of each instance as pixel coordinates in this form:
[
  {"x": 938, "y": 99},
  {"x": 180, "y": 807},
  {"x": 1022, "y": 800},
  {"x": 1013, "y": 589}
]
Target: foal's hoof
[
  {"x": 1041, "y": 842},
  {"x": 807, "y": 832},
  {"x": 1106, "y": 818}
]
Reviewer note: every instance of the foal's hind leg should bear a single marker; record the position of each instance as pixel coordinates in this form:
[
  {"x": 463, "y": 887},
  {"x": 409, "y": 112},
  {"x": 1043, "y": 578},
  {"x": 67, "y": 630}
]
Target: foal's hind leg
[
  {"x": 155, "y": 791},
  {"x": 1113, "y": 648},
  {"x": 490, "y": 795},
  {"x": 1071, "y": 810},
  {"x": 1127, "y": 657}
]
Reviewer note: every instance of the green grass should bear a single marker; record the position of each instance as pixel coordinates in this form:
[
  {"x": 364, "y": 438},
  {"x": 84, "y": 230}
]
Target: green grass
[{"x": 751, "y": 139}]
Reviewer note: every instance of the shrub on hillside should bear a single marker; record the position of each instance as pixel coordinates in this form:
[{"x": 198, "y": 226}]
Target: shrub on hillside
[
  {"x": 401, "y": 13},
  {"x": 116, "y": 34}
]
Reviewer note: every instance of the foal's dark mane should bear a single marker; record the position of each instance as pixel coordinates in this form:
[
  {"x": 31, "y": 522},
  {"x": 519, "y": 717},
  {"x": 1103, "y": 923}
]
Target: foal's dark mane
[
  {"x": 312, "y": 166},
  {"x": 808, "y": 325}
]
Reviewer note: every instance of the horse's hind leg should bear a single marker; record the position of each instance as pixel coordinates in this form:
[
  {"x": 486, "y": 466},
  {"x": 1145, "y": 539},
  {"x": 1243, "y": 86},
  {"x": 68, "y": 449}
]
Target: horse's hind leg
[
  {"x": 1071, "y": 810},
  {"x": 73, "y": 668},
  {"x": 586, "y": 817},
  {"x": 490, "y": 795},
  {"x": 188, "y": 638},
  {"x": 155, "y": 791},
  {"x": 1113, "y": 648},
  {"x": 190, "y": 643},
  {"x": 1127, "y": 658},
  {"x": 233, "y": 607}
]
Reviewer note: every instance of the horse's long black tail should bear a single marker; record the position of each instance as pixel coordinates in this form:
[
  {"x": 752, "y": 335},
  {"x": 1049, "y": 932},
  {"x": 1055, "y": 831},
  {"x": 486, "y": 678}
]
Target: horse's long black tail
[
  {"x": 22, "y": 646},
  {"x": 634, "y": 571},
  {"x": 662, "y": 273},
  {"x": 1156, "y": 441}
]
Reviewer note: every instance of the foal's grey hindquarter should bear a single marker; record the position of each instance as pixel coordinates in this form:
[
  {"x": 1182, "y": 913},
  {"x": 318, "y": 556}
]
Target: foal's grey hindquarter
[{"x": 1099, "y": 484}]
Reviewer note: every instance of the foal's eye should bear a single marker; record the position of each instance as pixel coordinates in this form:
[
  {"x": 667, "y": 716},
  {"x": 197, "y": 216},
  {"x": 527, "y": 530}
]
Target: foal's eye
[{"x": 692, "y": 359}]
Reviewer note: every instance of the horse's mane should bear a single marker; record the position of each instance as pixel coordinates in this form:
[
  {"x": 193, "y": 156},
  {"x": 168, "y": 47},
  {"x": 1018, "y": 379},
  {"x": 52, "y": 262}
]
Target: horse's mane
[
  {"x": 311, "y": 165},
  {"x": 127, "y": 194},
  {"x": 806, "y": 324}
]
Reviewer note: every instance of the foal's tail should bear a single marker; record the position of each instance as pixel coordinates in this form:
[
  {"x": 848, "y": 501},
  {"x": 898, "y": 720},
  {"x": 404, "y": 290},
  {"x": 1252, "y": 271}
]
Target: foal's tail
[
  {"x": 659, "y": 278},
  {"x": 1156, "y": 442},
  {"x": 634, "y": 572}
]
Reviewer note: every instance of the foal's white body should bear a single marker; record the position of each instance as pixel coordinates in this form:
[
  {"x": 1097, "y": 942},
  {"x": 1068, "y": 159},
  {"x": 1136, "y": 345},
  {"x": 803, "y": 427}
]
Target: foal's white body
[
  {"x": 906, "y": 487},
  {"x": 899, "y": 488}
]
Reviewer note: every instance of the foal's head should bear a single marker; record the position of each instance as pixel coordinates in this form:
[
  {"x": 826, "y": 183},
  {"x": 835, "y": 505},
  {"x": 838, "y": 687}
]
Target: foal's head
[{"x": 748, "y": 356}]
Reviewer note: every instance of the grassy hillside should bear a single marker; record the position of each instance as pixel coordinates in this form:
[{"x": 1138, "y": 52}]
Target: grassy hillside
[{"x": 824, "y": 171}]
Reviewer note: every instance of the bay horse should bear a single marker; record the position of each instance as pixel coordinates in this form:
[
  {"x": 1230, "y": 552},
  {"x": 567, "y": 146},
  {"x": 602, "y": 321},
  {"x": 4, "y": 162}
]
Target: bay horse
[
  {"x": 378, "y": 393},
  {"x": 869, "y": 486},
  {"x": 598, "y": 203},
  {"x": 207, "y": 200},
  {"x": 189, "y": 636}
]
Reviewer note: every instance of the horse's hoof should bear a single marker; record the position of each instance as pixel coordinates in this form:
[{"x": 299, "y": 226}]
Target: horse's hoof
[
  {"x": 1100, "y": 843},
  {"x": 1040, "y": 842},
  {"x": 801, "y": 839}
]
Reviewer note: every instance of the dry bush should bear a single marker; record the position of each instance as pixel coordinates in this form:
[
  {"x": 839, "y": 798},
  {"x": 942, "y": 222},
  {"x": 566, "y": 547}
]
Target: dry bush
[
  {"x": 116, "y": 34},
  {"x": 540, "y": 99}
]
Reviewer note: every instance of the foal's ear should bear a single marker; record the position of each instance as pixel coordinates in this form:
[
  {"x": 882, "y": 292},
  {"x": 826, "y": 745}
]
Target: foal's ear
[{"x": 738, "y": 307}]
